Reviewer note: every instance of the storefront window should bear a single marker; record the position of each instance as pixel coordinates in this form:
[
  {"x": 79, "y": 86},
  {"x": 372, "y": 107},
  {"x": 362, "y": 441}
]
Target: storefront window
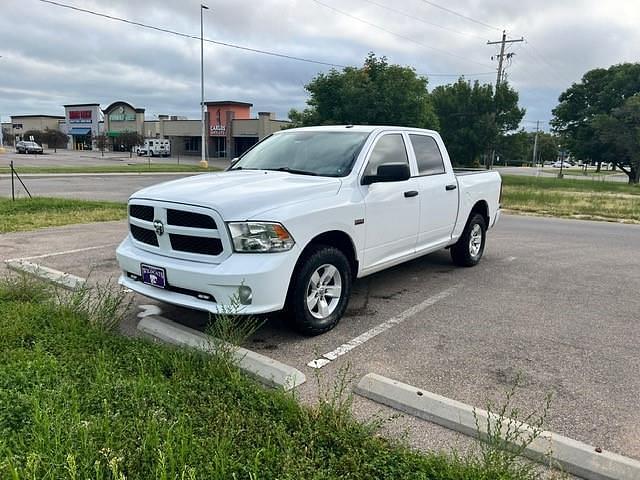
[{"x": 192, "y": 144}]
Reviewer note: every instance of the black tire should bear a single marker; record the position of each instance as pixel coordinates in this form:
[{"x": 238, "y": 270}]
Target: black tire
[
  {"x": 301, "y": 317},
  {"x": 463, "y": 253}
]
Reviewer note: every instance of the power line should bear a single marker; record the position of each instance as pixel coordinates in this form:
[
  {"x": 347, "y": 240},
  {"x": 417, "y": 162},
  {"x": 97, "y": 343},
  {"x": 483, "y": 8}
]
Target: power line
[
  {"x": 216, "y": 42},
  {"x": 422, "y": 20},
  {"x": 453, "y": 12},
  {"x": 186, "y": 35},
  {"x": 456, "y": 74},
  {"x": 409, "y": 39},
  {"x": 529, "y": 49}
]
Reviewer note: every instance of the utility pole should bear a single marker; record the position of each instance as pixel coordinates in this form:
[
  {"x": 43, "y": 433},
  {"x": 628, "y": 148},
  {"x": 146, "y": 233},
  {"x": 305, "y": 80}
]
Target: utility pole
[
  {"x": 203, "y": 162},
  {"x": 535, "y": 144},
  {"x": 503, "y": 42}
]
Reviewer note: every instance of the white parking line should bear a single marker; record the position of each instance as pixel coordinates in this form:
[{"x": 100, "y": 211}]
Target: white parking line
[
  {"x": 375, "y": 331},
  {"x": 65, "y": 252}
]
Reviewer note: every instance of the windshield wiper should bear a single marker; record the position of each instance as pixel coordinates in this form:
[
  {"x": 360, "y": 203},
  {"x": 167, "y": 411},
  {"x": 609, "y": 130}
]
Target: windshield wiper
[
  {"x": 243, "y": 168},
  {"x": 292, "y": 170}
]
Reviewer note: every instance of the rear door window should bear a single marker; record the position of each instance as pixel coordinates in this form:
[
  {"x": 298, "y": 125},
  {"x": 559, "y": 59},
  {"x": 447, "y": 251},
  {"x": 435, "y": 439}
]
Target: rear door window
[{"x": 428, "y": 155}]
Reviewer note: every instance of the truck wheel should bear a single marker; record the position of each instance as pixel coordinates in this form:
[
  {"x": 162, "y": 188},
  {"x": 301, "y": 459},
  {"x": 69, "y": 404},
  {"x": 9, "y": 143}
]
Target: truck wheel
[
  {"x": 469, "y": 248},
  {"x": 320, "y": 290}
]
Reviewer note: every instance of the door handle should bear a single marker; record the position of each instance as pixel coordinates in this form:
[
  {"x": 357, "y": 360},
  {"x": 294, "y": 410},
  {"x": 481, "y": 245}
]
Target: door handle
[
  {"x": 451, "y": 186},
  {"x": 411, "y": 193}
]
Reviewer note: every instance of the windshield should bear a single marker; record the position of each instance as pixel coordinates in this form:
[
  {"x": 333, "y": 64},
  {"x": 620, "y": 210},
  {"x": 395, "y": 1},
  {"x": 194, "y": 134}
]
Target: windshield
[{"x": 328, "y": 154}]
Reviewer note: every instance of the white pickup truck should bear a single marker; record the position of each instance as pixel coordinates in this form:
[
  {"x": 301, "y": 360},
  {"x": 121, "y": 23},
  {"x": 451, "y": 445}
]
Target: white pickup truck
[{"x": 299, "y": 216}]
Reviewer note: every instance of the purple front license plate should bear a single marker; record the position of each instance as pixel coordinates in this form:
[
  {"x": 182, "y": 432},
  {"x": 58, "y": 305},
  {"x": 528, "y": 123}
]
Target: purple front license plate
[{"x": 154, "y": 276}]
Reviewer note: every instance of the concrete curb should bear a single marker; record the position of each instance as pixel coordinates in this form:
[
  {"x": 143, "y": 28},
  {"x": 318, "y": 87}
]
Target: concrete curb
[
  {"x": 573, "y": 456},
  {"x": 65, "y": 280},
  {"x": 267, "y": 370}
]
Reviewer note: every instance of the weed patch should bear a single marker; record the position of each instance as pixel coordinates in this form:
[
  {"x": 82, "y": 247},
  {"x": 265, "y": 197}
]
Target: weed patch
[
  {"x": 584, "y": 199},
  {"x": 32, "y": 213},
  {"x": 79, "y": 401}
]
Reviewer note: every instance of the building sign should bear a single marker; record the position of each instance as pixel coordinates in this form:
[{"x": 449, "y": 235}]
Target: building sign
[
  {"x": 217, "y": 129},
  {"x": 122, "y": 117},
  {"x": 80, "y": 116}
]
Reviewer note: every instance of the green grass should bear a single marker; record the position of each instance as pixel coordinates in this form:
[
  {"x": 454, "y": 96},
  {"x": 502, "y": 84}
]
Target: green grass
[
  {"x": 28, "y": 214},
  {"x": 584, "y": 199},
  {"x": 136, "y": 168},
  {"x": 77, "y": 401}
]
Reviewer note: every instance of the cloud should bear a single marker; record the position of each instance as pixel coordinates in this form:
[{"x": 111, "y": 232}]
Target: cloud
[{"x": 54, "y": 56}]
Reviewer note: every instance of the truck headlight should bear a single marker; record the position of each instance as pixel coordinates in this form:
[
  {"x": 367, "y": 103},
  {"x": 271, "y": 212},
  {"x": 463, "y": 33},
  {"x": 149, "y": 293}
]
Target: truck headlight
[{"x": 260, "y": 237}]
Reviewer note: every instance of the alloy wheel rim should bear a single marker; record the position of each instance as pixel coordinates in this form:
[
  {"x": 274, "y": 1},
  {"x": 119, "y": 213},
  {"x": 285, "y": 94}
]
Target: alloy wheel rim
[
  {"x": 475, "y": 240},
  {"x": 324, "y": 291}
]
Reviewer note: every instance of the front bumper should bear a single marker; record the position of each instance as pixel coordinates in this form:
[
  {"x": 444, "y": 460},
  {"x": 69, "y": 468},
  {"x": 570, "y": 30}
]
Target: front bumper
[{"x": 267, "y": 275}]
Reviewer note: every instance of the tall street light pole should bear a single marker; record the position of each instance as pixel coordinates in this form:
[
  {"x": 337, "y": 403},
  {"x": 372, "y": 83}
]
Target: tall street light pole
[
  {"x": 1, "y": 132},
  {"x": 203, "y": 161}
]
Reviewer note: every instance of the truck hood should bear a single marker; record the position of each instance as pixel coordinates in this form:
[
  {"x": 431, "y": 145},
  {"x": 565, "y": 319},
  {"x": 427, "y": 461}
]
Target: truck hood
[{"x": 242, "y": 194}]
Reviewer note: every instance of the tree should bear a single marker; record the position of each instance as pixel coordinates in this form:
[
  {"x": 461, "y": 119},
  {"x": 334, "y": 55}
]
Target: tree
[
  {"x": 129, "y": 140},
  {"x": 54, "y": 138},
  {"x": 514, "y": 147},
  {"x": 598, "y": 93},
  {"x": 376, "y": 94},
  {"x": 101, "y": 141},
  {"x": 547, "y": 147},
  {"x": 472, "y": 118},
  {"x": 619, "y": 133},
  {"x": 38, "y": 136},
  {"x": 7, "y": 137}
]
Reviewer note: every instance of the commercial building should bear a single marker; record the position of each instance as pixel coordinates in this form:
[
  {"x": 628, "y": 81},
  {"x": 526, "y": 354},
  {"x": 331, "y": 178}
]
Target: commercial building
[
  {"x": 83, "y": 122},
  {"x": 20, "y": 124},
  {"x": 231, "y": 127},
  {"x": 233, "y": 131}
]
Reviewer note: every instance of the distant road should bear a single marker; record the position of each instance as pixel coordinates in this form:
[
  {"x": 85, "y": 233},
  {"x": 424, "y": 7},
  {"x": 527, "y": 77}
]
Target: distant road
[
  {"x": 552, "y": 172},
  {"x": 116, "y": 188}
]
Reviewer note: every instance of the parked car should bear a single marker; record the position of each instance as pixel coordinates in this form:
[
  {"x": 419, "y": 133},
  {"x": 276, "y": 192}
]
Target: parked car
[
  {"x": 559, "y": 164},
  {"x": 302, "y": 214},
  {"x": 28, "y": 147}
]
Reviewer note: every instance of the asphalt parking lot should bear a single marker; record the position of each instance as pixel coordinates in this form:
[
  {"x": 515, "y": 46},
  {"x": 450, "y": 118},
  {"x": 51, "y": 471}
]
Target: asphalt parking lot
[
  {"x": 76, "y": 158},
  {"x": 554, "y": 301}
]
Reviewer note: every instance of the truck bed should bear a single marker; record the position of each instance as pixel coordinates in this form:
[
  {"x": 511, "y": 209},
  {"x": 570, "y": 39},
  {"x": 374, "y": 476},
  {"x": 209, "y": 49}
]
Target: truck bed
[{"x": 459, "y": 172}]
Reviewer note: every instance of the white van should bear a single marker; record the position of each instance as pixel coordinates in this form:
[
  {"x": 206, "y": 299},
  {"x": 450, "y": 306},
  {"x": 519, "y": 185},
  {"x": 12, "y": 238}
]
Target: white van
[{"x": 155, "y": 147}]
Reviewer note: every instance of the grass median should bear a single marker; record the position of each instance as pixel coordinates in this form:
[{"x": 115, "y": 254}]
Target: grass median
[
  {"x": 582, "y": 199},
  {"x": 134, "y": 168},
  {"x": 32, "y": 213},
  {"x": 79, "y": 401}
]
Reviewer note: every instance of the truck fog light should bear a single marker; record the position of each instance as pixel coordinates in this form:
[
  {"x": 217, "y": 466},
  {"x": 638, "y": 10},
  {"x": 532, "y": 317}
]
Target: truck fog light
[{"x": 245, "y": 295}]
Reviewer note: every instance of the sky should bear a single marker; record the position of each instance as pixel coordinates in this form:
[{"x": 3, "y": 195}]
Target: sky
[{"x": 51, "y": 55}]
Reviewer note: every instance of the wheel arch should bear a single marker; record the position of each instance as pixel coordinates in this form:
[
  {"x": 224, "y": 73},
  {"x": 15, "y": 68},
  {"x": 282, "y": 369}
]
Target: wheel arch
[
  {"x": 333, "y": 238},
  {"x": 338, "y": 239},
  {"x": 481, "y": 207}
]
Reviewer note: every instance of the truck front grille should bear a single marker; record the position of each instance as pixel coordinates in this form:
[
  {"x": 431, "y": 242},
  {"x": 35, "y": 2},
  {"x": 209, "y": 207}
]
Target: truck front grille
[
  {"x": 175, "y": 230},
  {"x": 143, "y": 235},
  {"x": 143, "y": 212},
  {"x": 201, "y": 245},
  {"x": 182, "y": 218}
]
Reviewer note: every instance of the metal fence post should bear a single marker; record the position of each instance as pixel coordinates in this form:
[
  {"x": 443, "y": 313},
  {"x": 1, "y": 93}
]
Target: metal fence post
[{"x": 13, "y": 190}]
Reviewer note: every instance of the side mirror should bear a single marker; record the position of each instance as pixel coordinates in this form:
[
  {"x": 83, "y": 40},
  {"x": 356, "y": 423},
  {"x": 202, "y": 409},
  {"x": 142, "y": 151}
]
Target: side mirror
[{"x": 388, "y": 172}]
